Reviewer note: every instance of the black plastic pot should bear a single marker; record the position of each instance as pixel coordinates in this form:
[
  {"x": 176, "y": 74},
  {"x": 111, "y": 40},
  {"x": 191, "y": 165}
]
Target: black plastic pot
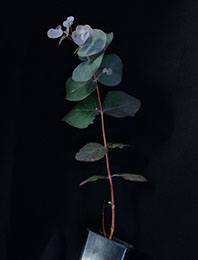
[{"x": 98, "y": 247}]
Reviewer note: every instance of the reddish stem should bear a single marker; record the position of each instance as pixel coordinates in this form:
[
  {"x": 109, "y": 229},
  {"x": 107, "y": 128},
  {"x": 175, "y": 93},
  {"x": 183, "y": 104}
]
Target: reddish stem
[
  {"x": 107, "y": 165},
  {"x": 70, "y": 38},
  {"x": 112, "y": 229},
  {"x": 103, "y": 220}
]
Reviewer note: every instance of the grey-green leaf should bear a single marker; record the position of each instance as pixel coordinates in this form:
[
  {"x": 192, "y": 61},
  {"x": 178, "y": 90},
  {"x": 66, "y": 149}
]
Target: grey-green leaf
[
  {"x": 109, "y": 39},
  {"x": 76, "y": 51},
  {"x": 112, "y": 145},
  {"x": 92, "y": 179},
  {"x": 120, "y": 104},
  {"x": 84, "y": 113},
  {"x": 76, "y": 91},
  {"x": 85, "y": 70},
  {"x": 91, "y": 152},
  {"x": 62, "y": 39},
  {"x": 96, "y": 45},
  {"x": 114, "y": 64},
  {"x": 131, "y": 177}
]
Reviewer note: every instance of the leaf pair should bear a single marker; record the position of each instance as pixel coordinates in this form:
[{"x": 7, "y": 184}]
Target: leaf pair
[
  {"x": 81, "y": 85},
  {"x": 125, "y": 176},
  {"x": 116, "y": 104},
  {"x": 92, "y": 52},
  {"x": 92, "y": 152},
  {"x": 100, "y": 66}
]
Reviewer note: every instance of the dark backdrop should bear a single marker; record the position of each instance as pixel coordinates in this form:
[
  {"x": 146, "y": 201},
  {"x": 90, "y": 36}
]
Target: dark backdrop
[{"x": 40, "y": 197}]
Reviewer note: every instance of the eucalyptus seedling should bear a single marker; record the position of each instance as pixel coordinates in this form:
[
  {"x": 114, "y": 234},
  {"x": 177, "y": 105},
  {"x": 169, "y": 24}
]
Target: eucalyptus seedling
[{"x": 96, "y": 70}]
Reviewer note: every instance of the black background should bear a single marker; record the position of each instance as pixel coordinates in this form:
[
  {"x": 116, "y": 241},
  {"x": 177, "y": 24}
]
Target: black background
[{"x": 40, "y": 196}]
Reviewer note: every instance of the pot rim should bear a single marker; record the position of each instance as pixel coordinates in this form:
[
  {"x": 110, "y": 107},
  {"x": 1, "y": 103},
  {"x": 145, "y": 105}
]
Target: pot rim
[{"x": 115, "y": 240}]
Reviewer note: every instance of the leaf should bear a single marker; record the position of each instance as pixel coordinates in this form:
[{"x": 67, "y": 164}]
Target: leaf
[
  {"x": 85, "y": 70},
  {"x": 76, "y": 50},
  {"x": 120, "y": 104},
  {"x": 62, "y": 39},
  {"x": 93, "y": 178},
  {"x": 96, "y": 45},
  {"x": 116, "y": 145},
  {"x": 55, "y": 33},
  {"x": 83, "y": 114},
  {"x": 109, "y": 39},
  {"x": 114, "y": 63},
  {"x": 131, "y": 177},
  {"x": 91, "y": 152},
  {"x": 76, "y": 91}
]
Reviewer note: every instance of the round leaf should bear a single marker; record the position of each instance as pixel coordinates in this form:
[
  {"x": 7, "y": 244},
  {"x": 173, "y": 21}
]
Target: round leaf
[
  {"x": 83, "y": 114},
  {"x": 55, "y": 33},
  {"x": 85, "y": 70},
  {"x": 120, "y": 104},
  {"x": 96, "y": 45},
  {"x": 76, "y": 91},
  {"x": 91, "y": 152},
  {"x": 113, "y": 63}
]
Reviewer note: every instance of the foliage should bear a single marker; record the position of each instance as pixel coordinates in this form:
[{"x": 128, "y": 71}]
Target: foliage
[{"x": 95, "y": 67}]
